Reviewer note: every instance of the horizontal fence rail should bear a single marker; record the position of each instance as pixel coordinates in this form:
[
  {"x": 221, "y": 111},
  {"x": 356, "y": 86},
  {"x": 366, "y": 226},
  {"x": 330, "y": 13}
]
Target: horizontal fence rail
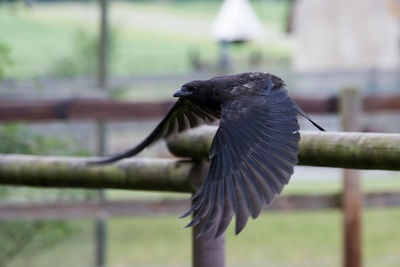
[
  {"x": 62, "y": 210},
  {"x": 80, "y": 109},
  {"x": 104, "y": 109},
  {"x": 59, "y": 210},
  {"x": 139, "y": 174},
  {"x": 326, "y": 149},
  {"x": 344, "y": 150}
]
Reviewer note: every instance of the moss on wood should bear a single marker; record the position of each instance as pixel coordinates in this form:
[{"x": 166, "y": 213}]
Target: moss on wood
[{"x": 329, "y": 149}]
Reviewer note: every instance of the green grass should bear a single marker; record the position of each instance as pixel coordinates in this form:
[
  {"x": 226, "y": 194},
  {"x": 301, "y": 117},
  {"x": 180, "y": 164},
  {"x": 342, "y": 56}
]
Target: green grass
[
  {"x": 295, "y": 238},
  {"x": 31, "y": 47},
  {"x": 386, "y": 182},
  {"x": 274, "y": 239},
  {"x": 152, "y": 37},
  {"x": 379, "y": 182}
]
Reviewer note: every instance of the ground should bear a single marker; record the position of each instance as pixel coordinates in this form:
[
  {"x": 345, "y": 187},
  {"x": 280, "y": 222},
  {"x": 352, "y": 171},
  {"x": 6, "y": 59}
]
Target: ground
[{"x": 277, "y": 239}]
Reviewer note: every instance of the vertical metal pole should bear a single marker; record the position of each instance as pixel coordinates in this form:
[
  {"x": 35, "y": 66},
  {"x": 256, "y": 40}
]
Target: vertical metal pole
[
  {"x": 101, "y": 235},
  {"x": 103, "y": 46},
  {"x": 224, "y": 58},
  {"x": 398, "y": 41},
  {"x": 351, "y": 109},
  {"x": 207, "y": 251},
  {"x": 101, "y": 221}
]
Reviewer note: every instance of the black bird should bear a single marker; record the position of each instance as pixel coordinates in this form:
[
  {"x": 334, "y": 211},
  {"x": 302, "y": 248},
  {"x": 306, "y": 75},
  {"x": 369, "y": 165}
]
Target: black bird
[{"x": 253, "y": 152}]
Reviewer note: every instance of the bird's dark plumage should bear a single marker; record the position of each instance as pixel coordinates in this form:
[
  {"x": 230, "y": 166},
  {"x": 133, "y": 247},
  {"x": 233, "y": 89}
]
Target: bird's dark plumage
[{"x": 253, "y": 152}]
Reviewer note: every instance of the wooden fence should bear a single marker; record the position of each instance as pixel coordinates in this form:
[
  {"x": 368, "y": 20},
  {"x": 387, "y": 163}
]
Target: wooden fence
[
  {"x": 105, "y": 109},
  {"x": 93, "y": 209},
  {"x": 108, "y": 110},
  {"x": 355, "y": 150}
]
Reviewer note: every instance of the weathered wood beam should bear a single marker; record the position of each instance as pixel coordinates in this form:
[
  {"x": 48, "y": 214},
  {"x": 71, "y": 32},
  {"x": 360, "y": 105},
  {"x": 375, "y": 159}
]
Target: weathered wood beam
[
  {"x": 80, "y": 110},
  {"x": 85, "y": 209},
  {"x": 326, "y": 149},
  {"x": 104, "y": 109},
  {"x": 344, "y": 150},
  {"x": 60, "y": 210},
  {"x": 381, "y": 103},
  {"x": 139, "y": 174}
]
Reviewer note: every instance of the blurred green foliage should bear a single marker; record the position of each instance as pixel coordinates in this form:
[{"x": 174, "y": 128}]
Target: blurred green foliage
[
  {"x": 30, "y": 236},
  {"x": 153, "y": 37},
  {"x": 5, "y": 58},
  {"x": 84, "y": 58},
  {"x": 19, "y": 139}
]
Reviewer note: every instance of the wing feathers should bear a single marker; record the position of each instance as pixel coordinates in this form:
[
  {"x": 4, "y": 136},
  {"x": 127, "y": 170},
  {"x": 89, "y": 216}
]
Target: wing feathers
[
  {"x": 183, "y": 115},
  {"x": 252, "y": 158},
  {"x": 232, "y": 193},
  {"x": 242, "y": 213},
  {"x": 227, "y": 212},
  {"x": 265, "y": 186},
  {"x": 252, "y": 182},
  {"x": 252, "y": 154},
  {"x": 256, "y": 200}
]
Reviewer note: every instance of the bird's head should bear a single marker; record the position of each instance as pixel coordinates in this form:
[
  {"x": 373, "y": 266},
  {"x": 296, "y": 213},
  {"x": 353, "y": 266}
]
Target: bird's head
[
  {"x": 191, "y": 89},
  {"x": 184, "y": 92},
  {"x": 199, "y": 91},
  {"x": 217, "y": 90}
]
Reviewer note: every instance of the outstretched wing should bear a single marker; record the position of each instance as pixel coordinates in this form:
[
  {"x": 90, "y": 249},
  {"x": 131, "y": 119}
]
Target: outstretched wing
[
  {"x": 182, "y": 116},
  {"x": 252, "y": 158}
]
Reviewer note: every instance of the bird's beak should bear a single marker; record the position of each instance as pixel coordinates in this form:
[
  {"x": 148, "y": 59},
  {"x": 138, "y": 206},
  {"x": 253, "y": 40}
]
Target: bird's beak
[{"x": 182, "y": 92}]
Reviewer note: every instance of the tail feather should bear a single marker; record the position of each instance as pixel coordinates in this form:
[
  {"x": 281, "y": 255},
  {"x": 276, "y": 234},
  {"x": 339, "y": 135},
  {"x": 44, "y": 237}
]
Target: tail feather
[
  {"x": 299, "y": 110},
  {"x": 127, "y": 154}
]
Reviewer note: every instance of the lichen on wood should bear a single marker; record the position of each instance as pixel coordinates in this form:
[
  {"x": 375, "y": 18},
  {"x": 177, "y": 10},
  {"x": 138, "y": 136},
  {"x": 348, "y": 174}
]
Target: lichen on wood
[
  {"x": 351, "y": 150},
  {"x": 328, "y": 149},
  {"x": 332, "y": 149},
  {"x": 140, "y": 174}
]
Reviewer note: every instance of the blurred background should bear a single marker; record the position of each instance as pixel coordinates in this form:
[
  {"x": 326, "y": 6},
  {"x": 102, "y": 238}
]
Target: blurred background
[{"x": 55, "y": 52}]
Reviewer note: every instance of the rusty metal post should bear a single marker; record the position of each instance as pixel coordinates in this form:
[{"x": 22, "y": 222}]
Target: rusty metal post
[{"x": 351, "y": 109}]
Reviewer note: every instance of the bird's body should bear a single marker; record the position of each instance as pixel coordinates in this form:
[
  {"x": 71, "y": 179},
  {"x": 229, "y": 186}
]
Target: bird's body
[{"x": 253, "y": 152}]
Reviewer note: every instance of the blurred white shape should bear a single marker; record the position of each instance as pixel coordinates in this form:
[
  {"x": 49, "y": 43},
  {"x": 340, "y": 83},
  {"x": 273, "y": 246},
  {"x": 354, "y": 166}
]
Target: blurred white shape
[
  {"x": 236, "y": 22},
  {"x": 345, "y": 35}
]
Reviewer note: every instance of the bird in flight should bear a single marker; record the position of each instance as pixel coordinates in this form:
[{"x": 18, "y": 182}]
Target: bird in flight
[{"x": 253, "y": 152}]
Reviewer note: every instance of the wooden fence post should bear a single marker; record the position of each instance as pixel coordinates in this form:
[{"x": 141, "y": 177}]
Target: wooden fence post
[
  {"x": 351, "y": 109},
  {"x": 207, "y": 251}
]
